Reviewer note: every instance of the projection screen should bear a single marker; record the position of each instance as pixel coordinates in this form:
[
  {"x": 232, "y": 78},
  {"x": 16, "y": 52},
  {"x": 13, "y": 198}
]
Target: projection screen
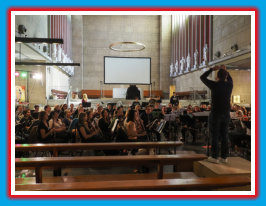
[{"x": 127, "y": 70}]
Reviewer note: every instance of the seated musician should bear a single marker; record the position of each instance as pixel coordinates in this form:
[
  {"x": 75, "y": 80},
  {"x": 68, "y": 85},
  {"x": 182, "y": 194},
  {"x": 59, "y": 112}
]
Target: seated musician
[
  {"x": 208, "y": 107},
  {"x": 62, "y": 111},
  {"x": 136, "y": 102},
  {"x": 47, "y": 109},
  {"x": 147, "y": 116},
  {"x": 61, "y": 135},
  {"x": 72, "y": 109},
  {"x": 98, "y": 111},
  {"x": 118, "y": 130},
  {"x": 187, "y": 122},
  {"x": 35, "y": 113},
  {"x": 110, "y": 110},
  {"x": 239, "y": 133},
  {"x": 163, "y": 112},
  {"x": 141, "y": 132},
  {"x": 137, "y": 108},
  {"x": 85, "y": 133},
  {"x": 169, "y": 108},
  {"x": 67, "y": 120},
  {"x": 156, "y": 112},
  {"x": 57, "y": 108},
  {"x": 130, "y": 126},
  {"x": 19, "y": 113},
  {"x": 103, "y": 124},
  {"x": 196, "y": 109},
  {"x": 203, "y": 107},
  {"x": 45, "y": 135},
  {"x": 26, "y": 121},
  {"x": 78, "y": 111},
  {"x": 84, "y": 100},
  {"x": 174, "y": 110}
]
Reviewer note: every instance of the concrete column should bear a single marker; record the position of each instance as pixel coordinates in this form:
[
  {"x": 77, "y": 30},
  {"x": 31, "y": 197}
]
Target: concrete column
[
  {"x": 165, "y": 53},
  {"x": 77, "y": 51}
]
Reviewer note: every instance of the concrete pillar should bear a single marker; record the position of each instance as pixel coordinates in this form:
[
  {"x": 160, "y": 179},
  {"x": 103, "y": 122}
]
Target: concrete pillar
[{"x": 165, "y": 53}]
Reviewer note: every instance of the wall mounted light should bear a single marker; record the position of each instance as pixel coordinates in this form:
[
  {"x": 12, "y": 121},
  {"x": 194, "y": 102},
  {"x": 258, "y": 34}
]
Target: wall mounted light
[
  {"x": 17, "y": 74},
  {"x": 23, "y": 74},
  {"x": 21, "y": 29},
  {"x": 217, "y": 54},
  {"x": 234, "y": 47},
  {"x": 236, "y": 99},
  {"x": 37, "y": 76}
]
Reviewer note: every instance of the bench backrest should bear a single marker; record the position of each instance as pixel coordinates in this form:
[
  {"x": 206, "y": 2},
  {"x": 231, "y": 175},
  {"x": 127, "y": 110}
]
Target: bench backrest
[
  {"x": 96, "y": 146},
  {"x": 91, "y": 161},
  {"x": 161, "y": 184}
]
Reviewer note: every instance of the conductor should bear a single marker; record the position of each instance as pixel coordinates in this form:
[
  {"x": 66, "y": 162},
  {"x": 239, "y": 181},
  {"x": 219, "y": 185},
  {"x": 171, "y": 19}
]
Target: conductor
[
  {"x": 220, "y": 111},
  {"x": 132, "y": 92}
]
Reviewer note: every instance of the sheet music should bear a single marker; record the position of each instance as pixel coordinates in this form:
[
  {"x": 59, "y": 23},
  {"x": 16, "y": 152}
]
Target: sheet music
[{"x": 114, "y": 126}]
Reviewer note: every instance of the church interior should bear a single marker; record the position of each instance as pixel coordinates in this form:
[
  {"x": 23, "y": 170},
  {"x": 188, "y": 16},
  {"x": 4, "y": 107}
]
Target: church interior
[{"x": 117, "y": 102}]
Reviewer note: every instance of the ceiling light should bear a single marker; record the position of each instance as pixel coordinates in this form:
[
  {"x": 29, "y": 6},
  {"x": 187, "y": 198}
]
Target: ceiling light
[{"x": 127, "y": 46}]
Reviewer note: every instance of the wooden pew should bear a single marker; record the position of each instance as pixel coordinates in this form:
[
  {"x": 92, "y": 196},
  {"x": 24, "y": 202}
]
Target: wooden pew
[
  {"x": 104, "y": 161},
  {"x": 95, "y": 146},
  {"x": 131, "y": 185}
]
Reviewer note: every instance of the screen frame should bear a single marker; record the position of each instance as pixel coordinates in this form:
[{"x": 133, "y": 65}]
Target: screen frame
[{"x": 127, "y": 58}]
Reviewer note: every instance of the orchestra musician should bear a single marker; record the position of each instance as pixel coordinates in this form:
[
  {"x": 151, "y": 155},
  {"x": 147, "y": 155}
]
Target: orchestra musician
[{"x": 85, "y": 133}]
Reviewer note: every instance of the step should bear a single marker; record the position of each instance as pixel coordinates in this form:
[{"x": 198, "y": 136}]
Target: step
[{"x": 235, "y": 166}]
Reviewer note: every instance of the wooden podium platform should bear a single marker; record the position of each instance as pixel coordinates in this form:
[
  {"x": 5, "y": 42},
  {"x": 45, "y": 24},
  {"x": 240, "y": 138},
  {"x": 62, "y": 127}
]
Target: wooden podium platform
[{"x": 236, "y": 166}]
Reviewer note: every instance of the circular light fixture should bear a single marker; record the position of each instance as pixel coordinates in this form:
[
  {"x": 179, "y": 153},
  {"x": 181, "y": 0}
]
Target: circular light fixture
[{"x": 127, "y": 46}]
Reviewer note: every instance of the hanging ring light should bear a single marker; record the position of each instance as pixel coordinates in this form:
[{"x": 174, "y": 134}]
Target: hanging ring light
[{"x": 128, "y": 46}]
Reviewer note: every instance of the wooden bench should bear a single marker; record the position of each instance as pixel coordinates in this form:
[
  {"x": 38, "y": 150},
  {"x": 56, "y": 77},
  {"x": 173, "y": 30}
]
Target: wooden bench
[
  {"x": 131, "y": 185},
  {"x": 39, "y": 163},
  {"x": 95, "y": 146},
  {"x": 105, "y": 177}
]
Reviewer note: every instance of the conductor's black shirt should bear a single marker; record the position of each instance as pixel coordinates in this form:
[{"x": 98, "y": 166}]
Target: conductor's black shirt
[{"x": 220, "y": 92}]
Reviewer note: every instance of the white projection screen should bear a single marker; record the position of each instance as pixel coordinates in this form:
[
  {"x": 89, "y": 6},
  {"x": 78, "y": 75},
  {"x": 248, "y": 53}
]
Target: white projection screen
[{"x": 127, "y": 70}]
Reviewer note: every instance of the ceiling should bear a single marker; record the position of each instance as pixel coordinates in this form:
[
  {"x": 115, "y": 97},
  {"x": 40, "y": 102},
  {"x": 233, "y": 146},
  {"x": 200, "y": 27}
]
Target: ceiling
[{"x": 243, "y": 64}]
